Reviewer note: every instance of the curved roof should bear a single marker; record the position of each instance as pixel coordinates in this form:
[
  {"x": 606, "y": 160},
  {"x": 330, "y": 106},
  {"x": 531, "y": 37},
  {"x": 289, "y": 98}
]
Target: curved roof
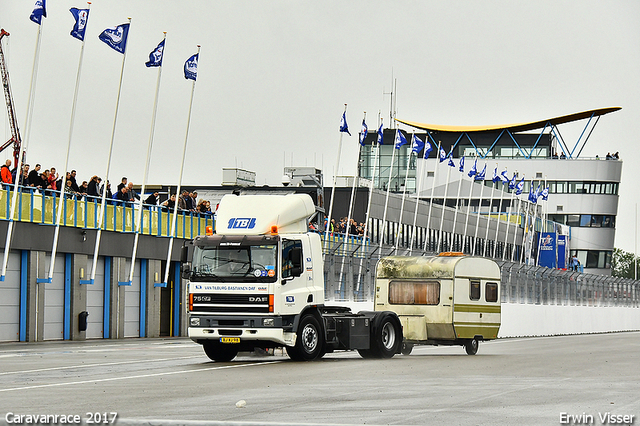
[{"x": 518, "y": 127}]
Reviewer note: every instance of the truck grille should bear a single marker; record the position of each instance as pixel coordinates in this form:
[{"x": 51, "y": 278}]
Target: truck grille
[{"x": 229, "y": 303}]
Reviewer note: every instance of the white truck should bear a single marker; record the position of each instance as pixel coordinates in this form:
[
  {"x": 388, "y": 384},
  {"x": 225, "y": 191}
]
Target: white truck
[{"x": 258, "y": 282}]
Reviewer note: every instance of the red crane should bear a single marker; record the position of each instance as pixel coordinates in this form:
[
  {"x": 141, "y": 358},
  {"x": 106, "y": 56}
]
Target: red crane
[{"x": 13, "y": 122}]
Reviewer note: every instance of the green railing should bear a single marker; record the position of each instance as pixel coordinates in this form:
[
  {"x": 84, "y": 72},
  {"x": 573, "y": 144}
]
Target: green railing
[{"x": 35, "y": 207}]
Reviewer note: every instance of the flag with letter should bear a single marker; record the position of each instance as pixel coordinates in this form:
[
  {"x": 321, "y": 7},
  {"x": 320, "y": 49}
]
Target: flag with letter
[
  {"x": 545, "y": 193},
  {"x": 400, "y": 139},
  {"x": 343, "y": 123},
  {"x": 461, "y": 164},
  {"x": 155, "y": 57},
  {"x": 443, "y": 154},
  {"x": 380, "y": 138},
  {"x": 363, "y": 132},
  {"x": 482, "y": 174},
  {"x": 512, "y": 184},
  {"x": 191, "y": 68},
  {"x": 496, "y": 177},
  {"x": 427, "y": 148},
  {"x": 531, "y": 196},
  {"x": 39, "y": 11},
  {"x": 520, "y": 186},
  {"x": 474, "y": 169},
  {"x": 116, "y": 37},
  {"x": 81, "y": 16},
  {"x": 416, "y": 144}
]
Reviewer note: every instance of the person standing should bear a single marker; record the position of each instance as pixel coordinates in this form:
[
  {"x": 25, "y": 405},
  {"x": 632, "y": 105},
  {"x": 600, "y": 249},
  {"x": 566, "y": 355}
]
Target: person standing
[{"x": 5, "y": 173}]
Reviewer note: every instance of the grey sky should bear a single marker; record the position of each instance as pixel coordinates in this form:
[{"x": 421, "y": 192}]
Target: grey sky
[{"x": 274, "y": 76}]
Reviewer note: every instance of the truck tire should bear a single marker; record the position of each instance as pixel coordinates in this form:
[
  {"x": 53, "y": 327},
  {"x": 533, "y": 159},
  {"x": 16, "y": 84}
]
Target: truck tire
[
  {"x": 387, "y": 337},
  {"x": 310, "y": 340},
  {"x": 471, "y": 346},
  {"x": 219, "y": 352}
]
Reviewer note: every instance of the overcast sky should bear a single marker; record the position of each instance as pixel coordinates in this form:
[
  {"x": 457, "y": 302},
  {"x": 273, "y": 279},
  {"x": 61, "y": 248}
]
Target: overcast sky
[{"x": 274, "y": 76}]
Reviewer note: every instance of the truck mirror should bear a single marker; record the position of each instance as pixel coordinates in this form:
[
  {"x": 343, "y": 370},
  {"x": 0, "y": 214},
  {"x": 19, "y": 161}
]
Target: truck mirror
[
  {"x": 185, "y": 270},
  {"x": 184, "y": 254}
]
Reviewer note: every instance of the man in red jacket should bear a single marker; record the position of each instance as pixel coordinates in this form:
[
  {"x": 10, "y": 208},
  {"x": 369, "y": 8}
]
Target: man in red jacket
[{"x": 5, "y": 172}]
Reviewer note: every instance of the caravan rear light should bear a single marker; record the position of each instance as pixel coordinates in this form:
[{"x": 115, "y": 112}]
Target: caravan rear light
[
  {"x": 208, "y": 230},
  {"x": 271, "y": 303}
]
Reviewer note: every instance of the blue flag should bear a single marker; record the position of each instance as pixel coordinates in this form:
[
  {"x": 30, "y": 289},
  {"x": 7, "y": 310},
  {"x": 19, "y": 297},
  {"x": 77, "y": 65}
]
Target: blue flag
[
  {"x": 520, "y": 186},
  {"x": 363, "y": 132},
  {"x": 343, "y": 124},
  {"x": 416, "y": 144},
  {"x": 400, "y": 139},
  {"x": 531, "y": 196},
  {"x": 81, "y": 16},
  {"x": 443, "y": 154},
  {"x": 39, "y": 11},
  {"x": 461, "y": 164},
  {"x": 512, "y": 184},
  {"x": 503, "y": 177},
  {"x": 450, "y": 157},
  {"x": 496, "y": 177},
  {"x": 545, "y": 193},
  {"x": 380, "y": 138},
  {"x": 537, "y": 193},
  {"x": 155, "y": 57},
  {"x": 191, "y": 67},
  {"x": 116, "y": 37},
  {"x": 427, "y": 148},
  {"x": 482, "y": 174},
  {"x": 474, "y": 169}
]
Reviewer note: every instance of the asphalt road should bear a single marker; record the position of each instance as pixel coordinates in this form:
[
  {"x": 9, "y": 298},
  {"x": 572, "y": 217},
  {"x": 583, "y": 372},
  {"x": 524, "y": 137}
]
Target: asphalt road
[{"x": 530, "y": 381}]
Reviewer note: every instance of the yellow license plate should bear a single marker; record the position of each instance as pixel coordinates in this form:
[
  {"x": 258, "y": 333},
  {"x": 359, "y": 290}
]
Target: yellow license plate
[{"x": 229, "y": 340}]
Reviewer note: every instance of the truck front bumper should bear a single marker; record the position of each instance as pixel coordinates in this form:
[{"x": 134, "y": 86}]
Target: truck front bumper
[{"x": 208, "y": 327}]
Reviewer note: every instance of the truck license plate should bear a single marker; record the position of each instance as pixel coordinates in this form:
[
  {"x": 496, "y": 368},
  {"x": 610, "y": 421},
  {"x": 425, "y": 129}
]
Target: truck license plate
[{"x": 229, "y": 340}]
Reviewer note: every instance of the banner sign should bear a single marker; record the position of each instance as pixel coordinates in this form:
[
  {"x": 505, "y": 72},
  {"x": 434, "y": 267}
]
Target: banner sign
[
  {"x": 562, "y": 256},
  {"x": 547, "y": 246}
]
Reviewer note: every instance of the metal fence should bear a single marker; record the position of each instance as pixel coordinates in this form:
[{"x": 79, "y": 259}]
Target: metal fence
[{"x": 349, "y": 269}]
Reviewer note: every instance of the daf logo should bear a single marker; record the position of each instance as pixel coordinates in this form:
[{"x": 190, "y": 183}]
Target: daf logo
[{"x": 258, "y": 299}]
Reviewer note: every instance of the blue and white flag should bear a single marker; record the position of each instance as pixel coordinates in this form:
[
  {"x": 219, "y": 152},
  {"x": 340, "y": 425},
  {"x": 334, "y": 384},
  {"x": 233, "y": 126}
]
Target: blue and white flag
[
  {"x": 81, "y": 16},
  {"x": 380, "y": 136},
  {"x": 512, "y": 184},
  {"x": 191, "y": 67},
  {"x": 531, "y": 196},
  {"x": 443, "y": 154},
  {"x": 520, "y": 186},
  {"x": 363, "y": 132},
  {"x": 39, "y": 11},
  {"x": 400, "y": 139},
  {"x": 155, "y": 57},
  {"x": 461, "y": 164},
  {"x": 416, "y": 144},
  {"x": 545, "y": 193},
  {"x": 343, "y": 122},
  {"x": 474, "y": 168},
  {"x": 482, "y": 174},
  {"x": 537, "y": 193},
  {"x": 116, "y": 37},
  {"x": 427, "y": 148},
  {"x": 450, "y": 156},
  {"x": 496, "y": 177},
  {"x": 503, "y": 177}
]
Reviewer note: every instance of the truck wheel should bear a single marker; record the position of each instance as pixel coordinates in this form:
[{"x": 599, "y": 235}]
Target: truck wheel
[
  {"x": 406, "y": 348},
  {"x": 471, "y": 346},
  {"x": 387, "y": 338},
  {"x": 219, "y": 352},
  {"x": 366, "y": 353},
  {"x": 310, "y": 341}
]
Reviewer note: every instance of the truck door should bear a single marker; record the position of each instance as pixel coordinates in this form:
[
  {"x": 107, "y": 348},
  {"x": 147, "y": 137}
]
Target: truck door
[{"x": 293, "y": 285}]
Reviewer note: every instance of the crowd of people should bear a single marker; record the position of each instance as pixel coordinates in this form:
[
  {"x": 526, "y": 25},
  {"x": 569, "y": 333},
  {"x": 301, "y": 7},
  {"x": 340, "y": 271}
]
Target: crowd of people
[
  {"x": 341, "y": 227},
  {"x": 48, "y": 181}
]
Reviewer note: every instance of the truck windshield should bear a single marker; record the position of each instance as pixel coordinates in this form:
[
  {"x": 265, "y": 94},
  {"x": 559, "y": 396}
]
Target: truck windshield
[{"x": 235, "y": 263}]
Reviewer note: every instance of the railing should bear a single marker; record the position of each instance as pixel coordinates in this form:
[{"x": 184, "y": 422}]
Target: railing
[{"x": 36, "y": 207}]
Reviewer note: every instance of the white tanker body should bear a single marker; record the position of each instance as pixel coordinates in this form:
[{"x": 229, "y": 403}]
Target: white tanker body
[{"x": 258, "y": 282}]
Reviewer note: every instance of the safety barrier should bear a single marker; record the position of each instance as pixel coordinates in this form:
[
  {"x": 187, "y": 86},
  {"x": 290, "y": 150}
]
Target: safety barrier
[{"x": 35, "y": 207}]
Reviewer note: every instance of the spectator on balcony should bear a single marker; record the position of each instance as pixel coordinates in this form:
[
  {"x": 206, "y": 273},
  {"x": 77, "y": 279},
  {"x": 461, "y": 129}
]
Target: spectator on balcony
[
  {"x": 133, "y": 195},
  {"x": 72, "y": 178},
  {"x": 92, "y": 187},
  {"x": 122, "y": 195},
  {"x": 152, "y": 199},
  {"x": 109, "y": 194},
  {"x": 24, "y": 178},
  {"x": 184, "y": 202},
  {"x": 34, "y": 177},
  {"x": 123, "y": 183},
  {"x": 68, "y": 189},
  {"x": 170, "y": 203},
  {"x": 5, "y": 173},
  {"x": 53, "y": 178},
  {"x": 82, "y": 189}
]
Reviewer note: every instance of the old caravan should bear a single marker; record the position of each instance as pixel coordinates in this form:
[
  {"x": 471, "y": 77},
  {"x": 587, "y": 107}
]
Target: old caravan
[{"x": 448, "y": 299}]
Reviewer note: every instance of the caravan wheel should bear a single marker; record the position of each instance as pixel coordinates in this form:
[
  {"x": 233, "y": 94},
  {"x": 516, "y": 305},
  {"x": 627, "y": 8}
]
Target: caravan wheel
[{"x": 471, "y": 346}]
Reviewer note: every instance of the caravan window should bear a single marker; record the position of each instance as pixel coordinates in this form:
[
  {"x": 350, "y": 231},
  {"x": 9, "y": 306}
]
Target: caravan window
[
  {"x": 491, "y": 292},
  {"x": 474, "y": 290},
  {"x": 414, "y": 293}
]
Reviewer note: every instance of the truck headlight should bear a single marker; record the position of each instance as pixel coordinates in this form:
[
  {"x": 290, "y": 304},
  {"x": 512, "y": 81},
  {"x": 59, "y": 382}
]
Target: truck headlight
[
  {"x": 194, "y": 321},
  {"x": 268, "y": 322}
]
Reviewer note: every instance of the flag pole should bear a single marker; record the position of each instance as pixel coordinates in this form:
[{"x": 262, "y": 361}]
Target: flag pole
[
  {"x": 475, "y": 235},
  {"x": 515, "y": 225},
  {"x": 543, "y": 224},
  {"x": 466, "y": 217},
  {"x": 499, "y": 217},
  {"x": 23, "y": 149},
  {"x": 404, "y": 191},
  {"x": 419, "y": 189},
  {"x": 61, "y": 200},
  {"x": 455, "y": 215},
  {"x": 333, "y": 190},
  {"x": 106, "y": 179},
  {"x": 433, "y": 188},
  {"x": 146, "y": 172},
  {"x": 526, "y": 230},
  {"x": 444, "y": 204},
  {"x": 386, "y": 201},
  {"x": 506, "y": 234},
  {"x": 175, "y": 208},
  {"x": 486, "y": 234}
]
